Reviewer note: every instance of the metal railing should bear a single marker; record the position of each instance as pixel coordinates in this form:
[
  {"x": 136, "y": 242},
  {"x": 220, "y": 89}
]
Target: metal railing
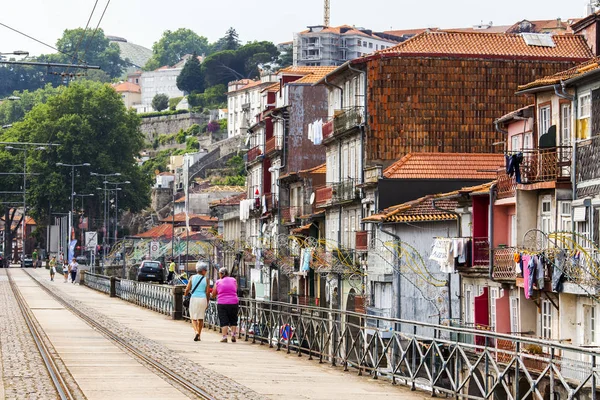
[
  {"x": 481, "y": 252},
  {"x": 504, "y": 268},
  {"x": 253, "y": 153},
  {"x": 446, "y": 361},
  {"x": 158, "y": 298},
  {"x": 97, "y": 282},
  {"x": 323, "y": 196},
  {"x": 344, "y": 191},
  {"x": 347, "y": 120},
  {"x": 290, "y": 214},
  {"x": 272, "y": 145}
]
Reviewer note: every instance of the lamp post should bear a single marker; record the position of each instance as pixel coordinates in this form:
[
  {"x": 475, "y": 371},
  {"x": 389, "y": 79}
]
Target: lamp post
[
  {"x": 116, "y": 189},
  {"x": 82, "y": 213},
  {"x": 72, "y": 166},
  {"x": 24, "y": 220},
  {"x": 104, "y": 176}
]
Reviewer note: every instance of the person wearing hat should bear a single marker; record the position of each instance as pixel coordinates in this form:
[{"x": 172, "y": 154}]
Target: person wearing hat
[{"x": 199, "y": 289}]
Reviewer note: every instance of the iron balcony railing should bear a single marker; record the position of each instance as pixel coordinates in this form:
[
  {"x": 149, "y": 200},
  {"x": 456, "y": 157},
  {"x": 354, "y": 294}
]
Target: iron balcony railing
[
  {"x": 504, "y": 268},
  {"x": 439, "y": 358},
  {"x": 538, "y": 165},
  {"x": 344, "y": 191},
  {"x": 347, "y": 120},
  {"x": 273, "y": 144},
  {"x": 253, "y": 153},
  {"x": 481, "y": 252}
]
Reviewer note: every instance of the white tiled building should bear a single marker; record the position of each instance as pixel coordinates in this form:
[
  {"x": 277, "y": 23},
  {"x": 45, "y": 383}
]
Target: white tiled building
[
  {"x": 163, "y": 80},
  {"x": 244, "y": 103}
]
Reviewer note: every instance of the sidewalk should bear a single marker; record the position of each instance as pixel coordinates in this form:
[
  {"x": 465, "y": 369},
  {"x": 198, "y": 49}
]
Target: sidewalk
[{"x": 270, "y": 373}]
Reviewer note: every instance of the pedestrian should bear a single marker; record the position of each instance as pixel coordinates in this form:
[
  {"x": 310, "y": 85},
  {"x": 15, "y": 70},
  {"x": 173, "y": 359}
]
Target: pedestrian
[
  {"x": 225, "y": 291},
  {"x": 171, "y": 272},
  {"x": 73, "y": 269},
  {"x": 52, "y": 268},
  {"x": 65, "y": 270},
  {"x": 34, "y": 258},
  {"x": 200, "y": 289}
]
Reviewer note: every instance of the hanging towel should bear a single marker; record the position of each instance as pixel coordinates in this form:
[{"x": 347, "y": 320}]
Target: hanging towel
[
  {"x": 463, "y": 244},
  {"x": 539, "y": 268},
  {"x": 529, "y": 278}
]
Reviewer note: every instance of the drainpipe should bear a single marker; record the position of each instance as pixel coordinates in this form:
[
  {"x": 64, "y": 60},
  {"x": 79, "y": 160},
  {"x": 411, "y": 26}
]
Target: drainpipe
[
  {"x": 492, "y": 197},
  {"x": 337, "y": 87},
  {"x": 498, "y": 129},
  {"x": 397, "y": 274},
  {"x": 449, "y": 278}
]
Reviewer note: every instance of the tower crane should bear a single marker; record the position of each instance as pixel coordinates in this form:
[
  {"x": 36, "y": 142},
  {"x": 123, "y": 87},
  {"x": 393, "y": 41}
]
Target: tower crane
[{"x": 326, "y": 13}]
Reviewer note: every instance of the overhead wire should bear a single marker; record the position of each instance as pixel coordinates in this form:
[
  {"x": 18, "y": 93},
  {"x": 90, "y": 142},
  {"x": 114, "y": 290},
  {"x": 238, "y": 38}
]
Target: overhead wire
[
  {"x": 87, "y": 43},
  {"x": 82, "y": 36}
]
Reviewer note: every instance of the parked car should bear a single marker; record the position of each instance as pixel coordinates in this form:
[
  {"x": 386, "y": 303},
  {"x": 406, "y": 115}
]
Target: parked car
[
  {"x": 81, "y": 260},
  {"x": 151, "y": 271},
  {"x": 27, "y": 261}
]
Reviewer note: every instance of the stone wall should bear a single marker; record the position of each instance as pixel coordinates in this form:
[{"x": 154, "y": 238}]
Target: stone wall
[
  {"x": 161, "y": 197},
  {"x": 167, "y": 124}
]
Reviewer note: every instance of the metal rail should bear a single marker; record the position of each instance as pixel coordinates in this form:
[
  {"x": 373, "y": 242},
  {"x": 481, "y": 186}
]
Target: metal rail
[
  {"x": 181, "y": 380},
  {"x": 61, "y": 386}
]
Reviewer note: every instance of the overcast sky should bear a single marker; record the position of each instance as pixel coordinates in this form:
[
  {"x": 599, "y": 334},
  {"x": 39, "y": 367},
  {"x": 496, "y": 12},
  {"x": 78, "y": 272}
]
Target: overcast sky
[{"x": 143, "y": 21}]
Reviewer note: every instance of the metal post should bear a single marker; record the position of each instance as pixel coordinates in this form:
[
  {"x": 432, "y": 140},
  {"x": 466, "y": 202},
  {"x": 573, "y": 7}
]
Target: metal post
[
  {"x": 105, "y": 231},
  {"x": 24, "y": 205},
  {"x": 173, "y": 230},
  {"x": 72, "y": 206}
]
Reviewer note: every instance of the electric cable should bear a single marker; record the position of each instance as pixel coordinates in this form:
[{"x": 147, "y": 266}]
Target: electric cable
[{"x": 82, "y": 36}]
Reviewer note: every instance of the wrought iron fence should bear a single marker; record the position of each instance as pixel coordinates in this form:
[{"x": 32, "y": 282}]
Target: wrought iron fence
[
  {"x": 347, "y": 120},
  {"x": 97, "y": 282},
  {"x": 344, "y": 190},
  {"x": 504, "y": 264},
  {"x": 155, "y": 297}
]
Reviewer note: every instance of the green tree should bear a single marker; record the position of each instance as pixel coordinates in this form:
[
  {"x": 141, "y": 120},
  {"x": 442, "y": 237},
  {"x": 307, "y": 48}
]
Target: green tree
[
  {"x": 286, "y": 58},
  {"x": 13, "y": 111},
  {"x": 92, "y": 49},
  {"x": 213, "y": 97},
  {"x": 191, "y": 77},
  {"x": 230, "y": 41},
  {"x": 174, "y": 45},
  {"x": 91, "y": 124},
  {"x": 228, "y": 65},
  {"x": 160, "y": 102}
]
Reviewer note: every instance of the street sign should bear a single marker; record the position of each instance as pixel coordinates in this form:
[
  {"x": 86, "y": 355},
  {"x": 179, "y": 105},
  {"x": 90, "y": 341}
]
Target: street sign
[
  {"x": 154, "y": 248},
  {"x": 91, "y": 240}
]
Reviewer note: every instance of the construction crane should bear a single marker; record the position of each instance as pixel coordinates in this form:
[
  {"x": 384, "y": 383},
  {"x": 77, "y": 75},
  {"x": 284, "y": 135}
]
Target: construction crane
[{"x": 326, "y": 13}]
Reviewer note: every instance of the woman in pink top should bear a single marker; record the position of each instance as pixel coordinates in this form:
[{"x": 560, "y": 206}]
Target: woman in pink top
[{"x": 225, "y": 290}]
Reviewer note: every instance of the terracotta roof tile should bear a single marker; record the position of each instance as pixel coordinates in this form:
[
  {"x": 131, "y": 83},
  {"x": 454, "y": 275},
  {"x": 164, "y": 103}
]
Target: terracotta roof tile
[
  {"x": 319, "y": 169},
  {"x": 485, "y": 44},
  {"x": 229, "y": 201},
  {"x": 163, "y": 231},
  {"x": 575, "y": 72},
  {"x": 305, "y": 70},
  {"x": 422, "y": 210},
  {"x": 127, "y": 87},
  {"x": 273, "y": 88},
  {"x": 195, "y": 219},
  {"x": 445, "y": 166}
]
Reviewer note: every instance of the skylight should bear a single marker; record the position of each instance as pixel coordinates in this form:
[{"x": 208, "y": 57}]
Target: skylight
[{"x": 538, "y": 39}]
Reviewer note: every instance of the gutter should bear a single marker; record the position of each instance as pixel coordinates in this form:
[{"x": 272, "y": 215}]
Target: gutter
[
  {"x": 498, "y": 129},
  {"x": 337, "y": 87}
]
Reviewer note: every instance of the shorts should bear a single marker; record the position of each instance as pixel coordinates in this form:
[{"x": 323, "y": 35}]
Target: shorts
[
  {"x": 198, "y": 307},
  {"x": 228, "y": 314}
]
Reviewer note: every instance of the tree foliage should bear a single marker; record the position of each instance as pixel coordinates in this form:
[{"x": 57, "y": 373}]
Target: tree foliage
[
  {"x": 160, "y": 102},
  {"x": 191, "y": 77},
  {"x": 172, "y": 46},
  {"x": 13, "y": 111},
  {"x": 229, "y": 65},
  {"x": 213, "y": 97},
  {"x": 91, "y": 124},
  {"x": 230, "y": 41}
]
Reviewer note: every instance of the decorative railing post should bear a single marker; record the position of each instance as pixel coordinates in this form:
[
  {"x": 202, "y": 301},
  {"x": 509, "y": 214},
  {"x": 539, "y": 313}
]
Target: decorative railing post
[
  {"x": 113, "y": 286},
  {"x": 177, "y": 292}
]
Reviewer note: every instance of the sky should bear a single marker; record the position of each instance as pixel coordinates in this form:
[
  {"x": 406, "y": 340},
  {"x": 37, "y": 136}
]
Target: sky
[{"x": 143, "y": 21}]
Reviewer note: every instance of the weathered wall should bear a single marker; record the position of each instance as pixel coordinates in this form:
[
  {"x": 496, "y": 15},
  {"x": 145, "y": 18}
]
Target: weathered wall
[
  {"x": 308, "y": 104},
  {"x": 442, "y": 104},
  {"x": 154, "y": 126},
  {"x": 161, "y": 197}
]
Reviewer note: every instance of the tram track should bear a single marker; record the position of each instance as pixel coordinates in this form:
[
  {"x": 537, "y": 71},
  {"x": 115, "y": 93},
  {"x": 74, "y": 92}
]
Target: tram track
[
  {"x": 177, "y": 379},
  {"x": 63, "y": 390}
]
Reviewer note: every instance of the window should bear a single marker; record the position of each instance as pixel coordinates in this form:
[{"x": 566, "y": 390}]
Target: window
[
  {"x": 514, "y": 316},
  {"x": 370, "y": 45},
  {"x": 546, "y": 319},
  {"x": 544, "y": 120},
  {"x": 565, "y": 124},
  {"x": 589, "y": 318},
  {"x": 515, "y": 143},
  {"x": 469, "y": 305},
  {"x": 527, "y": 141},
  {"x": 583, "y": 231},
  {"x": 565, "y": 216},
  {"x": 546, "y": 225},
  {"x": 585, "y": 105},
  {"x": 493, "y": 296}
]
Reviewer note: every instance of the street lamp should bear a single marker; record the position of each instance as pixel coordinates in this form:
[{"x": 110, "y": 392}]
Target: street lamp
[
  {"x": 72, "y": 166},
  {"x": 24, "y": 150},
  {"x": 104, "y": 176},
  {"x": 117, "y": 188},
  {"x": 82, "y": 214}
]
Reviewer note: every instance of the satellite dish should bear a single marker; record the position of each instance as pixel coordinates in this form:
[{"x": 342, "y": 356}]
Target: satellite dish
[{"x": 312, "y": 198}]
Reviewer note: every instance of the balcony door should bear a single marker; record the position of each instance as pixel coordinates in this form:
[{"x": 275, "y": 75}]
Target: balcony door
[{"x": 565, "y": 139}]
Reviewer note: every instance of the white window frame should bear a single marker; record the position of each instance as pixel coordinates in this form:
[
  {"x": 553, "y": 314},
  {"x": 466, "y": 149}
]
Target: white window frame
[
  {"x": 565, "y": 216},
  {"x": 515, "y": 318},
  {"x": 469, "y": 305},
  {"x": 545, "y": 119},
  {"x": 515, "y": 143},
  {"x": 547, "y": 320},
  {"x": 565, "y": 124},
  {"x": 546, "y": 216},
  {"x": 494, "y": 294},
  {"x": 585, "y": 106}
]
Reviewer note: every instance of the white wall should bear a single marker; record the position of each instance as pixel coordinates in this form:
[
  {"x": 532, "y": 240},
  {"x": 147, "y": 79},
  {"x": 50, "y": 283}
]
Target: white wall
[{"x": 160, "y": 81}]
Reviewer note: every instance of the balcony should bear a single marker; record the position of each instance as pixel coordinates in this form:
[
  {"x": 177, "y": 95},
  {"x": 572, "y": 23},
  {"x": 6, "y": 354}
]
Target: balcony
[
  {"x": 290, "y": 215},
  {"x": 347, "y": 120},
  {"x": 246, "y": 107},
  {"x": 362, "y": 241},
  {"x": 273, "y": 145},
  {"x": 504, "y": 264},
  {"x": 272, "y": 201},
  {"x": 254, "y": 153},
  {"x": 539, "y": 165},
  {"x": 344, "y": 191},
  {"x": 481, "y": 252},
  {"x": 323, "y": 196}
]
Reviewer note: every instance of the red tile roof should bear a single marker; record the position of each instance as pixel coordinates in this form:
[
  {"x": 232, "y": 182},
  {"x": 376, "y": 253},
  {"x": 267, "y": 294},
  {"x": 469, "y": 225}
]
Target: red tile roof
[
  {"x": 319, "y": 169},
  {"x": 128, "y": 87},
  {"x": 492, "y": 45},
  {"x": 163, "y": 231},
  {"x": 229, "y": 201},
  {"x": 575, "y": 72},
  {"x": 422, "y": 210},
  {"x": 445, "y": 166}
]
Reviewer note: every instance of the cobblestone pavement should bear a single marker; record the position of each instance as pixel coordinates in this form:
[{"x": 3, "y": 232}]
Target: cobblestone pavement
[
  {"x": 218, "y": 385},
  {"x": 23, "y": 371}
]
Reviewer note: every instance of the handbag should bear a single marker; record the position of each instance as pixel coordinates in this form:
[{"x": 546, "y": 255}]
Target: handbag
[{"x": 186, "y": 299}]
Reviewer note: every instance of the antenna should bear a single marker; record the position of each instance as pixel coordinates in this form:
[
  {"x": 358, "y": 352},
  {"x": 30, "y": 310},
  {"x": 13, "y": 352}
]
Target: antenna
[{"x": 326, "y": 13}]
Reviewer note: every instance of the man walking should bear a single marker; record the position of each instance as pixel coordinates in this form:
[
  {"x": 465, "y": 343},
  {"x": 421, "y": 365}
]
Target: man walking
[
  {"x": 34, "y": 257},
  {"x": 171, "y": 271}
]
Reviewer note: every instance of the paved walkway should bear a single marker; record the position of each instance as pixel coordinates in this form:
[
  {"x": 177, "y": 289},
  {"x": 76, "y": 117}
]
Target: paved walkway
[{"x": 269, "y": 373}]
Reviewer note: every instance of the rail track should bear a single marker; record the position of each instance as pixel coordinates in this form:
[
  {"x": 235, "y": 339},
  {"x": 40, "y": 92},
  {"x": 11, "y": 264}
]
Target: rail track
[
  {"x": 162, "y": 369},
  {"x": 62, "y": 388}
]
